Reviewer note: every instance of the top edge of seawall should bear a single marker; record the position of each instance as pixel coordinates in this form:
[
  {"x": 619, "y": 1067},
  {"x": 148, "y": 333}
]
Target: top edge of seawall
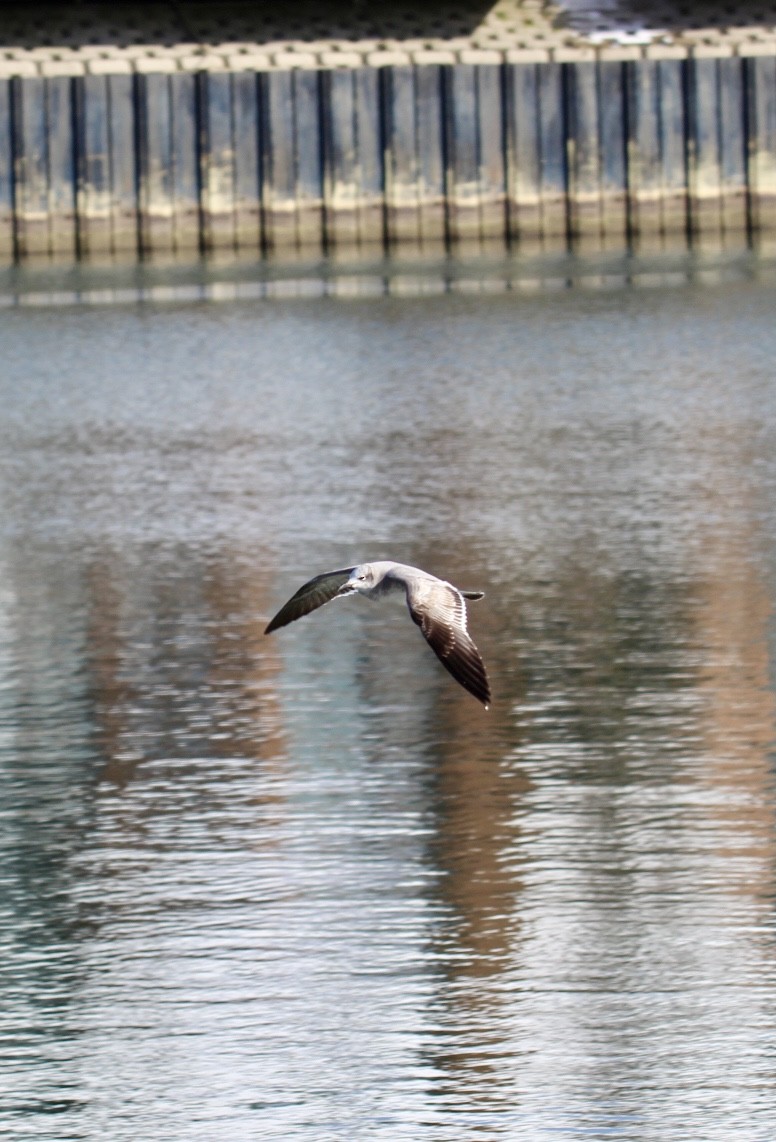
[
  {"x": 222, "y": 58},
  {"x": 508, "y": 31}
]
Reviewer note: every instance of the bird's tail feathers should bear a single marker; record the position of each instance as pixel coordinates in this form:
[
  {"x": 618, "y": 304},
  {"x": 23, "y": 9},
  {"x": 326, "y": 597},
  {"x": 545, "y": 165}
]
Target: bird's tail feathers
[{"x": 473, "y": 595}]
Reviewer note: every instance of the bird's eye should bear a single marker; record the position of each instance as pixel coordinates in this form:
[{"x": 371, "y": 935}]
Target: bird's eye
[{"x": 362, "y": 576}]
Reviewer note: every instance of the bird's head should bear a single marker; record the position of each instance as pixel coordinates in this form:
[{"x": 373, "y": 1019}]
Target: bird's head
[{"x": 362, "y": 578}]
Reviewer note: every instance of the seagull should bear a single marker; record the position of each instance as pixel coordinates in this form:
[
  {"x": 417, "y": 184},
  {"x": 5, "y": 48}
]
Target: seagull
[{"x": 435, "y": 605}]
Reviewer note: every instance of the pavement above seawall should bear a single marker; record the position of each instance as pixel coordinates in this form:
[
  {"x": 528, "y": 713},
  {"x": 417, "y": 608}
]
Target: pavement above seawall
[{"x": 99, "y": 38}]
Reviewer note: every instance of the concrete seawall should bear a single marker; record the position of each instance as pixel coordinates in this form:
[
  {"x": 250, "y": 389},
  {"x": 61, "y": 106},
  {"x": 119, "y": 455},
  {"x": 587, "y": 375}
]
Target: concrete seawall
[{"x": 605, "y": 149}]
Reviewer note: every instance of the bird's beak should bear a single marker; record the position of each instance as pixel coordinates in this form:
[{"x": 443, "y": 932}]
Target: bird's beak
[{"x": 347, "y": 588}]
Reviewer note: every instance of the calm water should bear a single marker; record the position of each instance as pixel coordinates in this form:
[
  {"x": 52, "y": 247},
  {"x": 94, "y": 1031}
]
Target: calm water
[{"x": 304, "y": 887}]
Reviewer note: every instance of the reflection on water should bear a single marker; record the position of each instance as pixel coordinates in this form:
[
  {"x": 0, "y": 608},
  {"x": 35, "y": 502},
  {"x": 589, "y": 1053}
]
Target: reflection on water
[
  {"x": 304, "y": 886},
  {"x": 167, "y": 280}
]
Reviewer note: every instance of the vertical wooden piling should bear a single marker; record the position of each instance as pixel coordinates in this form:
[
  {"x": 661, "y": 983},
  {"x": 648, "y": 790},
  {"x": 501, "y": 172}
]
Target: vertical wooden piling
[
  {"x": 430, "y": 163},
  {"x": 414, "y": 166},
  {"x": 612, "y": 160},
  {"x": 353, "y": 175},
  {"x": 94, "y": 174},
  {"x": 645, "y": 172},
  {"x": 761, "y": 90},
  {"x": 462, "y": 155},
  {"x": 490, "y": 153},
  {"x": 340, "y": 178},
  {"x": 279, "y": 162},
  {"x": 123, "y": 163},
  {"x": 536, "y": 136},
  {"x": 217, "y": 161},
  {"x": 155, "y": 163},
  {"x": 371, "y": 179},
  {"x": 703, "y": 153},
  {"x": 524, "y": 166},
  {"x": 292, "y": 180},
  {"x": 308, "y": 159},
  {"x": 552, "y": 157},
  {"x": 583, "y": 154},
  {"x": 189, "y": 123},
  {"x": 31, "y": 204},
  {"x": 7, "y": 243},
  {"x": 657, "y": 157},
  {"x": 62, "y": 177},
  {"x": 673, "y": 153},
  {"x": 732, "y": 133},
  {"x": 247, "y": 192},
  {"x": 402, "y": 175}
]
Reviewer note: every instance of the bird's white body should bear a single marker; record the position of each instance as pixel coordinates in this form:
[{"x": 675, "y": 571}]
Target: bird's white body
[{"x": 376, "y": 579}]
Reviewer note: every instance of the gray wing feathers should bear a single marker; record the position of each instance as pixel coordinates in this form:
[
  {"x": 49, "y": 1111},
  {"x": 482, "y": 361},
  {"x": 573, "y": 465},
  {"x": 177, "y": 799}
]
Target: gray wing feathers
[
  {"x": 322, "y": 589},
  {"x": 440, "y": 612}
]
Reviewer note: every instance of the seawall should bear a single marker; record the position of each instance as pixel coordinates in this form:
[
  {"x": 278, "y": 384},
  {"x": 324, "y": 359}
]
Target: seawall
[{"x": 609, "y": 147}]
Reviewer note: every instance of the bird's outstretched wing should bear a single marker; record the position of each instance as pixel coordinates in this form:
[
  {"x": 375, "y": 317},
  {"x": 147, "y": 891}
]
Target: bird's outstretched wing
[
  {"x": 440, "y": 611},
  {"x": 322, "y": 589}
]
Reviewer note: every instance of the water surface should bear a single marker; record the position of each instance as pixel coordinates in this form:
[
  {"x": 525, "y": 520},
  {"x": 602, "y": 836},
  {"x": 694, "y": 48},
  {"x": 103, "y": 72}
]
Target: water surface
[{"x": 304, "y": 886}]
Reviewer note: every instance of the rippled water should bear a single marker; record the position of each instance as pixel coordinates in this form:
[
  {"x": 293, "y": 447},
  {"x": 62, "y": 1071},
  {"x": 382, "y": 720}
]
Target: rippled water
[{"x": 304, "y": 886}]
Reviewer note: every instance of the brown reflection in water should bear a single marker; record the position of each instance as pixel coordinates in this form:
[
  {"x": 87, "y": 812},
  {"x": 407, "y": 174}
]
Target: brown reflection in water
[
  {"x": 475, "y": 798},
  {"x": 475, "y": 805},
  {"x": 112, "y": 691},
  {"x": 180, "y": 666},
  {"x": 477, "y": 830},
  {"x": 471, "y": 798},
  {"x": 591, "y": 645},
  {"x": 243, "y": 670},
  {"x": 739, "y": 723}
]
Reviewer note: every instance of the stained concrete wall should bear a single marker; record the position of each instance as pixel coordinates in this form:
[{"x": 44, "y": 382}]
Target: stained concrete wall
[{"x": 599, "y": 149}]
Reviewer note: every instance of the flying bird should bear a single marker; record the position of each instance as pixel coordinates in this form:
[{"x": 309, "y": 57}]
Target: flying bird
[{"x": 436, "y": 606}]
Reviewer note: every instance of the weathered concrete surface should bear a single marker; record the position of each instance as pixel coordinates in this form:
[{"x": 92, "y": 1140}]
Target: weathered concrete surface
[
  {"x": 101, "y": 38},
  {"x": 413, "y": 126}
]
